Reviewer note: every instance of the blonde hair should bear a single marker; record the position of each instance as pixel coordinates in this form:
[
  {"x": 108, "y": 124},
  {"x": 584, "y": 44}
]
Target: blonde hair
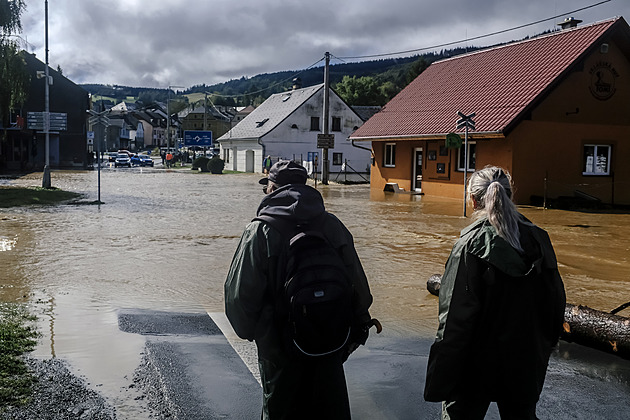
[{"x": 491, "y": 188}]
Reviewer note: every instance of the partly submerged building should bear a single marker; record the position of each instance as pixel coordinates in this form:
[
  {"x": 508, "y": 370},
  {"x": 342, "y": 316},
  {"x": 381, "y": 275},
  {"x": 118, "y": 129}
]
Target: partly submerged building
[{"x": 553, "y": 110}]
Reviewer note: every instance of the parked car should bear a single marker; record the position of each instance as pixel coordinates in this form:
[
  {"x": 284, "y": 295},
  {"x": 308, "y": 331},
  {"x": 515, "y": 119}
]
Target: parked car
[
  {"x": 122, "y": 160},
  {"x": 142, "y": 160},
  {"x": 111, "y": 156}
]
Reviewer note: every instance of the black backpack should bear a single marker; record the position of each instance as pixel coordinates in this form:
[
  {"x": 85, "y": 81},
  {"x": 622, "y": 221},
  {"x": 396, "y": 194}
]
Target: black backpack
[{"x": 316, "y": 296}]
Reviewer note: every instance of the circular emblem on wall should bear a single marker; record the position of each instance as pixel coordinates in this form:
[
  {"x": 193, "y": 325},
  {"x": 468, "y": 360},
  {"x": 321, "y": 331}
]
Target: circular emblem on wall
[{"x": 602, "y": 84}]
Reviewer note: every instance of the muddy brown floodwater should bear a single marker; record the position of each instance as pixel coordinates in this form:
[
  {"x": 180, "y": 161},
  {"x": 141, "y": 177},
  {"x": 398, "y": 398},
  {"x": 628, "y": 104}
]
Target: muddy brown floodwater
[{"x": 163, "y": 240}]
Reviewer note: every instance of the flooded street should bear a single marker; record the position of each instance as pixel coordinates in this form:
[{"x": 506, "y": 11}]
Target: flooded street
[{"x": 164, "y": 240}]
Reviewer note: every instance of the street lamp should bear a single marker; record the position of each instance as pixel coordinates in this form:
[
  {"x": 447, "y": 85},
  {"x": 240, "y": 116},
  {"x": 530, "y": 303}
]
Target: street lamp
[
  {"x": 168, "y": 117},
  {"x": 46, "y": 179}
]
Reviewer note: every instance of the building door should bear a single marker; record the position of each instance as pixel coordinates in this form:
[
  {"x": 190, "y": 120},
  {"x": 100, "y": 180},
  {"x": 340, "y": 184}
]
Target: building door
[
  {"x": 249, "y": 161},
  {"x": 417, "y": 170},
  {"x": 234, "y": 156}
]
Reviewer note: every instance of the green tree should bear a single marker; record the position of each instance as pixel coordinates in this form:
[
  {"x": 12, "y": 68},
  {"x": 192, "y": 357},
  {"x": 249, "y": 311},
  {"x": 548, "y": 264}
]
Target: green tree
[
  {"x": 389, "y": 90},
  {"x": 360, "y": 91},
  {"x": 14, "y": 79},
  {"x": 417, "y": 67}
]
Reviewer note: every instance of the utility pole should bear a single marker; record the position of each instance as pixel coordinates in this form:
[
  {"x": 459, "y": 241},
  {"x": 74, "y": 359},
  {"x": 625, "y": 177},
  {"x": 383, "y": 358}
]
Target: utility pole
[
  {"x": 205, "y": 112},
  {"x": 168, "y": 118},
  {"x": 46, "y": 179},
  {"x": 325, "y": 118}
]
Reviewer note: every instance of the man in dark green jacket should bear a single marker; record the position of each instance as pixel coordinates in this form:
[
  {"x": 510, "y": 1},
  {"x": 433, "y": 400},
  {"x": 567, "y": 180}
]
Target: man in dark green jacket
[{"x": 293, "y": 387}]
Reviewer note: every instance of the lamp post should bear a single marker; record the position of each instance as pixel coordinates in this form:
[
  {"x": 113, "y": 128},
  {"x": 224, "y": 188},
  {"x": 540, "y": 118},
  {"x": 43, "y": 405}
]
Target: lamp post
[{"x": 46, "y": 179}]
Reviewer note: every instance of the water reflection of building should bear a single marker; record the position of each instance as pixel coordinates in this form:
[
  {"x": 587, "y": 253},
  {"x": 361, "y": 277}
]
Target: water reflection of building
[
  {"x": 25, "y": 146},
  {"x": 551, "y": 109}
]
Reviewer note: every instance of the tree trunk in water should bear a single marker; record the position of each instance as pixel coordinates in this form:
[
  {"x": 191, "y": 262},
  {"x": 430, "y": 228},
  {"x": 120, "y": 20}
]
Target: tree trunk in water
[
  {"x": 583, "y": 325},
  {"x": 597, "y": 329}
]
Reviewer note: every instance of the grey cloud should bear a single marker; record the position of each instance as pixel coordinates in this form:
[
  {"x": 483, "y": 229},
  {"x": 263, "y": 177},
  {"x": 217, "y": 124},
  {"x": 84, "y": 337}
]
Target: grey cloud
[{"x": 144, "y": 43}]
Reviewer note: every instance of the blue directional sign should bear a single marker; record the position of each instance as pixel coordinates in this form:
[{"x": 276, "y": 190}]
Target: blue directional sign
[{"x": 198, "y": 138}]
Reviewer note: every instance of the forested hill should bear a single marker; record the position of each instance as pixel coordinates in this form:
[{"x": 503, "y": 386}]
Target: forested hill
[
  {"x": 362, "y": 83},
  {"x": 387, "y": 76}
]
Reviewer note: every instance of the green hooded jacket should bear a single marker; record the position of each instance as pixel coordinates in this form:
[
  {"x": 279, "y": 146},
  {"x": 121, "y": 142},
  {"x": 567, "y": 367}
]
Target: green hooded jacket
[{"x": 500, "y": 314}]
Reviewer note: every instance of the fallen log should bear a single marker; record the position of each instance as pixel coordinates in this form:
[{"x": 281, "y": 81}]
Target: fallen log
[{"x": 583, "y": 325}]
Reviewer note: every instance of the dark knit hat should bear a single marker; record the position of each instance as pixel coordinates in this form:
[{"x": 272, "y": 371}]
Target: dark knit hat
[{"x": 285, "y": 172}]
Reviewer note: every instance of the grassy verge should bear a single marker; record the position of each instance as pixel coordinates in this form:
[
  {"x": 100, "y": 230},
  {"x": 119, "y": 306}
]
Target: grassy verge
[
  {"x": 18, "y": 196},
  {"x": 16, "y": 338}
]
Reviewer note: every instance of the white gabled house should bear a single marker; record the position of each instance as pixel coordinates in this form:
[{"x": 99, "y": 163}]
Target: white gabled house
[{"x": 286, "y": 126}]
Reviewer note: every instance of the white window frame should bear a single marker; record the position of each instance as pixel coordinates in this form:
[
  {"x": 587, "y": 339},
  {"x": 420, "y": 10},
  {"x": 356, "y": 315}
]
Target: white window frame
[
  {"x": 337, "y": 158},
  {"x": 459, "y": 157},
  {"x": 594, "y": 165},
  {"x": 389, "y": 159}
]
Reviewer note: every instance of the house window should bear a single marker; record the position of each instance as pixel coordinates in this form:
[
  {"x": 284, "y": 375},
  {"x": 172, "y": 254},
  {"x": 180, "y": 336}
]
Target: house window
[
  {"x": 471, "y": 157},
  {"x": 337, "y": 158},
  {"x": 596, "y": 159},
  {"x": 336, "y": 124},
  {"x": 314, "y": 123},
  {"x": 390, "y": 155}
]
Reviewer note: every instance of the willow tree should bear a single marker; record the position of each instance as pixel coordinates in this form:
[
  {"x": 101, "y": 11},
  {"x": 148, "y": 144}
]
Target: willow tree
[{"x": 14, "y": 79}]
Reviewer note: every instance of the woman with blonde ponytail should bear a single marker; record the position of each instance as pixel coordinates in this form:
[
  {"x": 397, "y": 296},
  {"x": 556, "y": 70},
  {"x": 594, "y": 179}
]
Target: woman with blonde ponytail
[{"x": 500, "y": 311}]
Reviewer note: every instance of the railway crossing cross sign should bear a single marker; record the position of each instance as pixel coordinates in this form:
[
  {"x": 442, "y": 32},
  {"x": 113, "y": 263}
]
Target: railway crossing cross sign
[{"x": 466, "y": 121}]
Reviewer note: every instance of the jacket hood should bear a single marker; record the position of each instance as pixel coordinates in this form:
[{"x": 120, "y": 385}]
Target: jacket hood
[
  {"x": 487, "y": 245},
  {"x": 296, "y": 203}
]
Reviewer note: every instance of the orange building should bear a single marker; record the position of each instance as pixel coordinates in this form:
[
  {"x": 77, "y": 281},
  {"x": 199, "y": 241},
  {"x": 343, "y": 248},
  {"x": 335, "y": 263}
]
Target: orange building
[{"x": 554, "y": 110}]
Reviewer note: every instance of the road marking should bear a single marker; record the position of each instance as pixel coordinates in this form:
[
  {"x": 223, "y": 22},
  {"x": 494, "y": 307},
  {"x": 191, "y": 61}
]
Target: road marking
[{"x": 245, "y": 349}]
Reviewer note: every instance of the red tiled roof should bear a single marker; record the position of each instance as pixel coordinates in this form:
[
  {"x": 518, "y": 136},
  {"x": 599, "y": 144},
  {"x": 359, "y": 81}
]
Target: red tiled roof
[{"x": 497, "y": 84}]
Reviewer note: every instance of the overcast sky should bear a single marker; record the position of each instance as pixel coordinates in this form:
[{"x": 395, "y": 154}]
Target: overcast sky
[{"x": 157, "y": 43}]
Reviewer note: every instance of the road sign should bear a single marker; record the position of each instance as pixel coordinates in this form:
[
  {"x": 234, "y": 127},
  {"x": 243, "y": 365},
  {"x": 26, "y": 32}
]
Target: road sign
[
  {"x": 36, "y": 121},
  {"x": 198, "y": 138},
  {"x": 466, "y": 121},
  {"x": 325, "y": 141}
]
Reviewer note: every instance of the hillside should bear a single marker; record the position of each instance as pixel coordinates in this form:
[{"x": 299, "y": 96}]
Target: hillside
[
  {"x": 372, "y": 82},
  {"x": 390, "y": 75}
]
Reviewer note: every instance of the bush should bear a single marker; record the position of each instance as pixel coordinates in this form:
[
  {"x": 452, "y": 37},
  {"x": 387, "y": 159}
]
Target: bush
[
  {"x": 216, "y": 165},
  {"x": 201, "y": 163}
]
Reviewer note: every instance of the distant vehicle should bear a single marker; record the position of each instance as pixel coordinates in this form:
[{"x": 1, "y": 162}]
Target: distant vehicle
[
  {"x": 110, "y": 156},
  {"x": 141, "y": 160},
  {"x": 127, "y": 152},
  {"x": 122, "y": 160}
]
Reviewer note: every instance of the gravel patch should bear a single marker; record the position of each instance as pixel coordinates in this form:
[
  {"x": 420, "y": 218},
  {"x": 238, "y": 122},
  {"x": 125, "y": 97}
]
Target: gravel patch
[{"x": 59, "y": 395}]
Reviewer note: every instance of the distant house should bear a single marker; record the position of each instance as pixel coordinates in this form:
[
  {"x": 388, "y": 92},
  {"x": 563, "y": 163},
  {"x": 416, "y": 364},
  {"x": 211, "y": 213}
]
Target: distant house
[
  {"x": 286, "y": 126},
  {"x": 25, "y": 146},
  {"x": 241, "y": 113},
  {"x": 153, "y": 127},
  {"x": 553, "y": 110},
  {"x": 125, "y": 132}
]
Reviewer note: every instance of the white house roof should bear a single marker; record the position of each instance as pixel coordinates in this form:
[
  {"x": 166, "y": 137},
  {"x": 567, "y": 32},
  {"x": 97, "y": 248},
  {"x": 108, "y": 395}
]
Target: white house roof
[{"x": 270, "y": 113}]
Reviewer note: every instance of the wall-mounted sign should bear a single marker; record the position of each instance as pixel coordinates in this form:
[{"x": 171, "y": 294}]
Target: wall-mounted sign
[
  {"x": 36, "y": 121},
  {"x": 602, "y": 84}
]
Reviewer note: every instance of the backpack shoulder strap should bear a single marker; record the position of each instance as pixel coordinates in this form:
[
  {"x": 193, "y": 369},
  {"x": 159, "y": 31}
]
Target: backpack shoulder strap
[{"x": 290, "y": 230}]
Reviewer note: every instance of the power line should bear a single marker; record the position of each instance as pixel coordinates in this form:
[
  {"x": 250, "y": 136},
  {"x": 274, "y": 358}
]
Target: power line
[
  {"x": 477, "y": 37},
  {"x": 293, "y": 76}
]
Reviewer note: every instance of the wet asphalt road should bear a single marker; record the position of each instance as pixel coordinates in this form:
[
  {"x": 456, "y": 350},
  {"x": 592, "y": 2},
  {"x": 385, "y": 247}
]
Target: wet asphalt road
[{"x": 195, "y": 368}]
